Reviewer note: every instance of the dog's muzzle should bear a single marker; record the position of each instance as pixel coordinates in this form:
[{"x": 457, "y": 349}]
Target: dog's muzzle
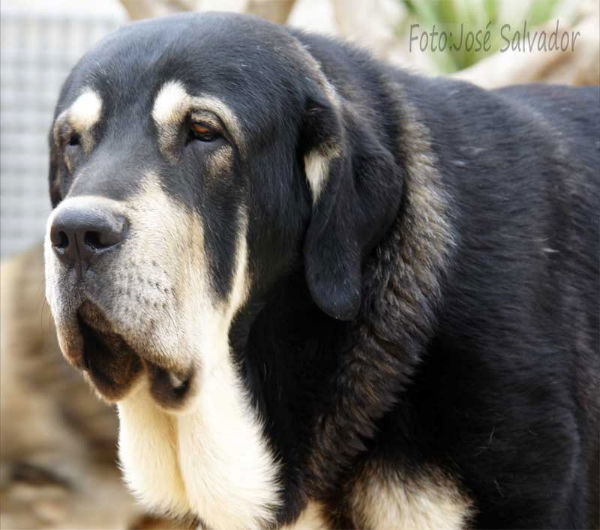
[{"x": 113, "y": 348}]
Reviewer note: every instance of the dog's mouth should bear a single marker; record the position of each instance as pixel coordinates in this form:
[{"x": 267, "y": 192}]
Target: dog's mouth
[{"x": 113, "y": 366}]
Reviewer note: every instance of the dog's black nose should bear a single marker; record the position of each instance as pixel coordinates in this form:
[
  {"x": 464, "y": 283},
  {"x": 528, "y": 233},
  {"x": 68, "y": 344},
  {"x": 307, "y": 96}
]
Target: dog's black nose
[{"x": 80, "y": 235}]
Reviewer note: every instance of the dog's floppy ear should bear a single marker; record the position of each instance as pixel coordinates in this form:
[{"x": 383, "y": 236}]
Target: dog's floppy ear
[{"x": 356, "y": 187}]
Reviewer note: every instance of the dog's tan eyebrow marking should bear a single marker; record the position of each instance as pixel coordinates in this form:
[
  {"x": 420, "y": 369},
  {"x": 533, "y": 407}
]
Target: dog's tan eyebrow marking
[
  {"x": 81, "y": 115},
  {"x": 173, "y": 103},
  {"x": 86, "y": 110}
]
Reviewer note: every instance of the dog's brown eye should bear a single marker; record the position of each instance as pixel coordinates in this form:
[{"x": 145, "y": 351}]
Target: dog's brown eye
[
  {"x": 74, "y": 139},
  {"x": 203, "y": 132}
]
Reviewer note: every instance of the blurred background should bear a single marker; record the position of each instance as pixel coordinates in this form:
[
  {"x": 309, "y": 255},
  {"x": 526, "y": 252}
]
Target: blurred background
[{"x": 57, "y": 441}]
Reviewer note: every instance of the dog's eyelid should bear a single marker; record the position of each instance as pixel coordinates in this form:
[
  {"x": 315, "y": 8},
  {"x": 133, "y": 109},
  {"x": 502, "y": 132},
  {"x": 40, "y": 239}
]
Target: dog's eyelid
[
  {"x": 210, "y": 119},
  {"x": 207, "y": 118}
]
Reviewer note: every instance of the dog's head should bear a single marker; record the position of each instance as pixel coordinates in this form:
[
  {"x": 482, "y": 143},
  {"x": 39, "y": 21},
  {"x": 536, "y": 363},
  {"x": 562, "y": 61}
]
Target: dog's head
[{"x": 195, "y": 161}]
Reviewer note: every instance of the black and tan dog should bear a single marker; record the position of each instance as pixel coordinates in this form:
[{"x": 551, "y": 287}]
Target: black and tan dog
[{"x": 324, "y": 292}]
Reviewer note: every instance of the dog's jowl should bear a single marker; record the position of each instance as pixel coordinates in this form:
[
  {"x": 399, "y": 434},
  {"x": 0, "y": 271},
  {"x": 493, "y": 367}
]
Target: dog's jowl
[{"x": 324, "y": 292}]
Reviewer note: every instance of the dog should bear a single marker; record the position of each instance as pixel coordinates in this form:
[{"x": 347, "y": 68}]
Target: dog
[{"x": 324, "y": 292}]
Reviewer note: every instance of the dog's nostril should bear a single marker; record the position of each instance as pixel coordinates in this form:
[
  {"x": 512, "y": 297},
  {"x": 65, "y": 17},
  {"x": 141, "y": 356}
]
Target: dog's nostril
[
  {"x": 92, "y": 239},
  {"x": 61, "y": 240},
  {"x": 104, "y": 238},
  {"x": 96, "y": 241}
]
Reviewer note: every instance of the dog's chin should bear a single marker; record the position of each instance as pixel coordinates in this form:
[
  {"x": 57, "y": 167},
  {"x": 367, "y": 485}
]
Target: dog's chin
[{"x": 113, "y": 367}]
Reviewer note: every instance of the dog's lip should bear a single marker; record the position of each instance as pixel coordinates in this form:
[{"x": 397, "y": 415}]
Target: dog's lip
[
  {"x": 169, "y": 385},
  {"x": 109, "y": 363}
]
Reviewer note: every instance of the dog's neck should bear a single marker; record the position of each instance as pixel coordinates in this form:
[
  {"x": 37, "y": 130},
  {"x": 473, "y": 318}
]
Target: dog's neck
[{"x": 320, "y": 364}]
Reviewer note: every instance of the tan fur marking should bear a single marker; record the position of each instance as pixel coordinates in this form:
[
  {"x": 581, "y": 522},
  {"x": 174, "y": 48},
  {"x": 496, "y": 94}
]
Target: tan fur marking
[
  {"x": 428, "y": 502},
  {"x": 316, "y": 167},
  {"x": 220, "y": 161},
  {"x": 173, "y": 103},
  {"x": 85, "y": 110},
  {"x": 82, "y": 116},
  {"x": 311, "y": 518}
]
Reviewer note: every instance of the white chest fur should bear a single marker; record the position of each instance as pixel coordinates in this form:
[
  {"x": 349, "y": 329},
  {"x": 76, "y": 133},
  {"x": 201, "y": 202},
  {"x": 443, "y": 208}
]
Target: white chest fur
[{"x": 210, "y": 461}]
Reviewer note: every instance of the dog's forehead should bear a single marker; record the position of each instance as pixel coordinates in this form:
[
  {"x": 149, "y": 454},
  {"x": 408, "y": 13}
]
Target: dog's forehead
[{"x": 239, "y": 59}]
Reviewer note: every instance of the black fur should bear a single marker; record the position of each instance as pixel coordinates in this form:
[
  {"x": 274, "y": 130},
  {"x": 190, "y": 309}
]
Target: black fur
[{"x": 467, "y": 342}]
